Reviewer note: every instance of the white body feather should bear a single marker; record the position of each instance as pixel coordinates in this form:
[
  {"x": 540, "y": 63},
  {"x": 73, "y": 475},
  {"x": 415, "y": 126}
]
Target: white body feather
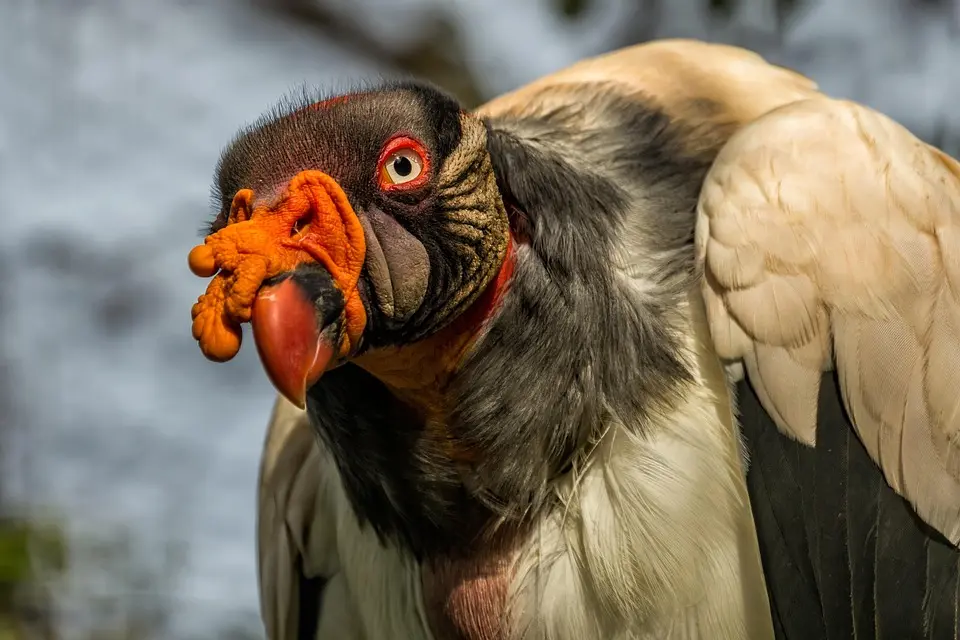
[{"x": 658, "y": 533}]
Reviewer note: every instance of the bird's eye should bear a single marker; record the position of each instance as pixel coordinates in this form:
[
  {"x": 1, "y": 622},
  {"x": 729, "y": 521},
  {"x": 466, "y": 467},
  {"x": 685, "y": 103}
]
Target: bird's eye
[{"x": 403, "y": 164}]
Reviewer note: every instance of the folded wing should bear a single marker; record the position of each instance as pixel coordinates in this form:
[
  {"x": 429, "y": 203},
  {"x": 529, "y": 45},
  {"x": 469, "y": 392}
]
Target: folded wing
[
  {"x": 296, "y": 536},
  {"x": 830, "y": 238}
]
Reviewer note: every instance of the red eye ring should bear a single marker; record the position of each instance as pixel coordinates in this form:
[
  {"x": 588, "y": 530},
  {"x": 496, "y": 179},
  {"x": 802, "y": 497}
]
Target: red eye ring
[{"x": 401, "y": 143}]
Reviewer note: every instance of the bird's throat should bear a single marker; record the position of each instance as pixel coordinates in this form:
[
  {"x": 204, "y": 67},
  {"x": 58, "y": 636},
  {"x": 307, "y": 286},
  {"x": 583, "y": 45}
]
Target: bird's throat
[{"x": 419, "y": 374}]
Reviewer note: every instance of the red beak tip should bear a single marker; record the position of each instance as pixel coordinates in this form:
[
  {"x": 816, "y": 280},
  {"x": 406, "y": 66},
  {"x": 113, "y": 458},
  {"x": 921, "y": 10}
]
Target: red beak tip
[
  {"x": 292, "y": 348},
  {"x": 299, "y": 400}
]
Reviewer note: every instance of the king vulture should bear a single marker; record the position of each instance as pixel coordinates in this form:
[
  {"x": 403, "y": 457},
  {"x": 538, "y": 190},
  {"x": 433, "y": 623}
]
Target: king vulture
[{"x": 664, "y": 345}]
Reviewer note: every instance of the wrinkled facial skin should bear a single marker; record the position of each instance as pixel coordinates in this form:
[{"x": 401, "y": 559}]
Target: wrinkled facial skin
[{"x": 431, "y": 246}]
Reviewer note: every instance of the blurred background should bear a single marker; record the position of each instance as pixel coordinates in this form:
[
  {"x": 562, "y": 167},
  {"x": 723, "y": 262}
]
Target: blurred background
[{"x": 128, "y": 463}]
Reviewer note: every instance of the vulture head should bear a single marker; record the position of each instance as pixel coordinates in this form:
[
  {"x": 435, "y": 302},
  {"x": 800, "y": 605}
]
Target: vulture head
[
  {"x": 442, "y": 295},
  {"x": 411, "y": 169}
]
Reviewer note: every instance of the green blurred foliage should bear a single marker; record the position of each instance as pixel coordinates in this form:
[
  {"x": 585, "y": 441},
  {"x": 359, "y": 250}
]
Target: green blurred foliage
[
  {"x": 29, "y": 550},
  {"x": 571, "y": 9},
  {"x": 105, "y": 585}
]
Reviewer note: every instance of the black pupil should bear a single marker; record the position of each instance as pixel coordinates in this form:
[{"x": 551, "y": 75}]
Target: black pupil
[{"x": 403, "y": 166}]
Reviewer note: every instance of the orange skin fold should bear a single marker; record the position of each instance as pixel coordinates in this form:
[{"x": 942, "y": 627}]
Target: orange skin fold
[{"x": 312, "y": 221}]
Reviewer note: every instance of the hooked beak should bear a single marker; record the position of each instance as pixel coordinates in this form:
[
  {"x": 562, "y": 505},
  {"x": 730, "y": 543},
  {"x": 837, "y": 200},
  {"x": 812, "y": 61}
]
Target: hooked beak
[
  {"x": 292, "y": 270},
  {"x": 297, "y": 326}
]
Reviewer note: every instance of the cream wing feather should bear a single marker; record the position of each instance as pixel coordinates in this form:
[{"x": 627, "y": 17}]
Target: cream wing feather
[
  {"x": 830, "y": 239},
  {"x": 296, "y": 531}
]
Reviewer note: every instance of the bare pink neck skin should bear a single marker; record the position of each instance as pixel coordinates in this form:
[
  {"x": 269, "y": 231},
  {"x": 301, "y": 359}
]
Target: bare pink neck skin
[{"x": 466, "y": 598}]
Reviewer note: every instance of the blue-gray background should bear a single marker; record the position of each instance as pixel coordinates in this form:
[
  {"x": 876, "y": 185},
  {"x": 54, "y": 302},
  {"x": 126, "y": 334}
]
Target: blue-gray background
[{"x": 112, "y": 115}]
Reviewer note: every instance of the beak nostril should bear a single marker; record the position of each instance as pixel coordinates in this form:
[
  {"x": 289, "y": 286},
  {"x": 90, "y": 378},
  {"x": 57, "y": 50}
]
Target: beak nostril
[{"x": 300, "y": 225}]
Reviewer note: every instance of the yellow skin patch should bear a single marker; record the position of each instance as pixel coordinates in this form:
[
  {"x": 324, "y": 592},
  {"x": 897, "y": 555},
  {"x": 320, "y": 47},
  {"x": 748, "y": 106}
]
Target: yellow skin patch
[{"x": 312, "y": 221}]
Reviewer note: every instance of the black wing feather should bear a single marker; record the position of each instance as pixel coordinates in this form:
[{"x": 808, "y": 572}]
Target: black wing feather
[{"x": 843, "y": 554}]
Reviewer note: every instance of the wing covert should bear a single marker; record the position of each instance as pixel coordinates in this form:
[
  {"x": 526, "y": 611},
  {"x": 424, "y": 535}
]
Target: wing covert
[{"x": 830, "y": 239}]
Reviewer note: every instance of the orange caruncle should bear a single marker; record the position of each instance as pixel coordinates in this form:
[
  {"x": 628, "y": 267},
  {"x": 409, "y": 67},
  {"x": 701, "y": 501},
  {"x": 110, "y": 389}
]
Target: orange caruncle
[{"x": 312, "y": 222}]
